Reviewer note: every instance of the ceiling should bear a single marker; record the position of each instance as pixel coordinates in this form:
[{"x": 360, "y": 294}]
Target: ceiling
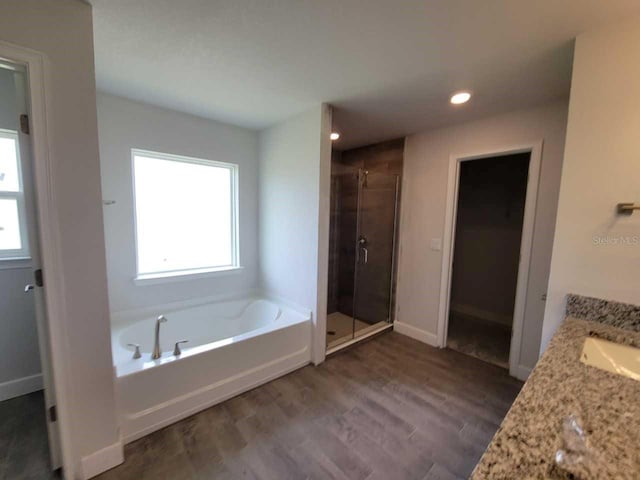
[{"x": 387, "y": 66}]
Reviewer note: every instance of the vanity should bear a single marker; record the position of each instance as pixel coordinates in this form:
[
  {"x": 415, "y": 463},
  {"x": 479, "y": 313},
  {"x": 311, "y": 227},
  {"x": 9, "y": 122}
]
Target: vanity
[{"x": 575, "y": 382}]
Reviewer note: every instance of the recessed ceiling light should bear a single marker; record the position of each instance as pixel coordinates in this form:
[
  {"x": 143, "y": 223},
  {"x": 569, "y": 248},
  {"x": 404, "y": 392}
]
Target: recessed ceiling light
[
  {"x": 334, "y": 136},
  {"x": 460, "y": 97}
]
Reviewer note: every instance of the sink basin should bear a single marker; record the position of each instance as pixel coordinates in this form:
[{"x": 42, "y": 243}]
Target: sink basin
[{"x": 612, "y": 357}]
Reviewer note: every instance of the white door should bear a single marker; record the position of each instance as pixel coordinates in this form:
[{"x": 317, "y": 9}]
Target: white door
[{"x": 36, "y": 287}]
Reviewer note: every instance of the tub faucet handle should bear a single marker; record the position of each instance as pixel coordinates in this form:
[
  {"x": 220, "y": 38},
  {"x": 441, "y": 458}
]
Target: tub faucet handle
[
  {"x": 176, "y": 349},
  {"x": 136, "y": 354}
]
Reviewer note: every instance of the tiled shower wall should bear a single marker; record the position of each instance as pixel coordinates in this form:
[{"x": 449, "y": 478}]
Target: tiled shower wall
[{"x": 386, "y": 157}]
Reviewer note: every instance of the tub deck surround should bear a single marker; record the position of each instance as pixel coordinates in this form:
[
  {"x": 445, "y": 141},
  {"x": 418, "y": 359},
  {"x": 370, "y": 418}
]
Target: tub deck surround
[
  {"x": 560, "y": 385},
  {"x": 233, "y": 346},
  {"x": 205, "y": 327}
]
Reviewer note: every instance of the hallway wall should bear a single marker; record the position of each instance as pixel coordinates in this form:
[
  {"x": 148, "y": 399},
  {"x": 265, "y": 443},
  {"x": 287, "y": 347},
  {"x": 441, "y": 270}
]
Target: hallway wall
[{"x": 424, "y": 196}]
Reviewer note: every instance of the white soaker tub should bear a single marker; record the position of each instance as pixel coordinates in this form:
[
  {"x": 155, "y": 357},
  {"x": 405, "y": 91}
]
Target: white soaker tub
[{"x": 233, "y": 346}]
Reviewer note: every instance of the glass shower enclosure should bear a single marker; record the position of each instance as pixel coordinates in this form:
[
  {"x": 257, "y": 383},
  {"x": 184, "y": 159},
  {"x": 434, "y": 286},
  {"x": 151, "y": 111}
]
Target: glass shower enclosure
[{"x": 364, "y": 216}]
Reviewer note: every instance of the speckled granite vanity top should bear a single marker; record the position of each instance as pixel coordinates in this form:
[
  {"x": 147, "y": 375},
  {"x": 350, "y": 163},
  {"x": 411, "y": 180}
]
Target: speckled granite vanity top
[{"x": 607, "y": 405}]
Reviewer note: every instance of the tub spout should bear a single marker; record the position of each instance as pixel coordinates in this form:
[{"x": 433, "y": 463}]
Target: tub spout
[{"x": 157, "y": 353}]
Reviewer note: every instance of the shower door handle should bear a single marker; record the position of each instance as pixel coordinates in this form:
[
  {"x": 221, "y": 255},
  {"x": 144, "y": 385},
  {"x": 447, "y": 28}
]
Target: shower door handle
[
  {"x": 362, "y": 245},
  {"x": 365, "y": 251}
]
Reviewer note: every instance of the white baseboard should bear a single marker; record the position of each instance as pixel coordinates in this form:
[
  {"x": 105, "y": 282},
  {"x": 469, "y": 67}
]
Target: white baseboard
[
  {"x": 416, "y": 333},
  {"x": 20, "y": 386},
  {"x": 102, "y": 460},
  {"x": 522, "y": 372}
]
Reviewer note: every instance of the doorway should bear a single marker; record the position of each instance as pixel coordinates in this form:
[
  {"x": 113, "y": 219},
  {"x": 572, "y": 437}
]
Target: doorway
[
  {"x": 487, "y": 246},
  {"x": 488, "y": 232},
  {"x": 364, "y": 204},
  {"x": 28, "y": 431}
]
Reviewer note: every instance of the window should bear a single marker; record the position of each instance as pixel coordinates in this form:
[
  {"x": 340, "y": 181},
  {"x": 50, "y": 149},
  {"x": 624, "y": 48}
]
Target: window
[
  {"x": 186, "y": 213},
  {"x": 13, "y": 223}
]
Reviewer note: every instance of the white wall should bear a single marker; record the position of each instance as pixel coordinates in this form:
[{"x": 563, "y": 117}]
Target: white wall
[
  {"x": 124, "y": 124},
  {"x": 19, "y": 353},
  {"x": 601, "y": 168},
  {"x": 62, "y": 30},
  {"x": 426, "y": 160},
  {"x": 295, "y": 163}
]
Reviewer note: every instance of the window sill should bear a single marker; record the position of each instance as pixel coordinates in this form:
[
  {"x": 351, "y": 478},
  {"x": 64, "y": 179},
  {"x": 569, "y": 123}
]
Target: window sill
[
  {"x": 185, "y": 275},
  {"x": 15, "y": 263}
]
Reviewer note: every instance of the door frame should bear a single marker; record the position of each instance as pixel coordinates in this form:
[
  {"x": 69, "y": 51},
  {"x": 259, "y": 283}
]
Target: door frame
[
  {"x": 535, "y": 149},
  {"x": 39, "y": 88}
]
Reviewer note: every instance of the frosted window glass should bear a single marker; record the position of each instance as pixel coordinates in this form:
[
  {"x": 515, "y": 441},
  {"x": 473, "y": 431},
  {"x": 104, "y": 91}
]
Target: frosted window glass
[
  {"x": 9, "y": 225},
  {"x": 9, "y": 173},
  {"x": 183, "y": 215}
]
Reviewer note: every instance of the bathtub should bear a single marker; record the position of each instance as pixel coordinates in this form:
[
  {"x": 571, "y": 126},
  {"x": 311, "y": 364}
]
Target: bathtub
[{"x": 233, "y": 346}]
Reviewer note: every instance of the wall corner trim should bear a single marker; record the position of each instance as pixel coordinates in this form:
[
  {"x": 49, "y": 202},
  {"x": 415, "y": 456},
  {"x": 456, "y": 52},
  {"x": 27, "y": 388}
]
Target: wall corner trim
[
  {"x": 102, "y": 460},
  {"x": 523, "y": 372},
  {"x": 416, "y": 333}
]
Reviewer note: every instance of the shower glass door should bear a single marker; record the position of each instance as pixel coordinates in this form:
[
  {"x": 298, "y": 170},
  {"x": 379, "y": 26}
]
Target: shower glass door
[{"x": 376, "y": 227}]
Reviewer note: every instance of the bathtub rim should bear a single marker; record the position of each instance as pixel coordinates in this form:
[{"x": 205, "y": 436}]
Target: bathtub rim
[
  {"x": 123, "y": 366},
  {"x": 121, "y": 318}
]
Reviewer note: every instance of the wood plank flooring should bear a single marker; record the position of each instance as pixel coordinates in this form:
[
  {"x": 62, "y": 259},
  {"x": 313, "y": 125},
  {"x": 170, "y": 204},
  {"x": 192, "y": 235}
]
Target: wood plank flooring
[
  {"x": 390, "y": 408},
  {"x": 24, "y": 446}
]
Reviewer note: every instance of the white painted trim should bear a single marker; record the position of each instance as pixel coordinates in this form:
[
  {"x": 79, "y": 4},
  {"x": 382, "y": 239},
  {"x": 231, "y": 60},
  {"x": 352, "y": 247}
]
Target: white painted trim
[
  {"x": 525, "y": 246},
  {"x": 41, "y": 123},
  {"x": 20, "y": 386},
  {"x": 20, "y": 198},
  {"x": 319, "y": 330},
  {"x": 185, "y": 275},
  {"x": 102, "y": 460},
  {"x": 136, "y": 425},
  {"x": 416, "y": 333},
  {"x": 522, "y": 372},
  {"x": 15, "y": 263},
  {"x": 234, "y": 168},
  {"x": 359, "y": 338}
]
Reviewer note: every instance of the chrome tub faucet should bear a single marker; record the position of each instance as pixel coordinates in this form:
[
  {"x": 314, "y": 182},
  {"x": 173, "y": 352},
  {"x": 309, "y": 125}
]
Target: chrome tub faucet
[{"x": 157, "y": 353}]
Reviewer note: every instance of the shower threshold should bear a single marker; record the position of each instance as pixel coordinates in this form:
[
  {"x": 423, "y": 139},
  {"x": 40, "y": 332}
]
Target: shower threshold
[{"x": 343, "y": 341}]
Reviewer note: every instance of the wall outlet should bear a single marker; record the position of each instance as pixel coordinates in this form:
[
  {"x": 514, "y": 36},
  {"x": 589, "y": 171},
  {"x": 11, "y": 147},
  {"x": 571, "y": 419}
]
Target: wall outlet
[{"x": 436, "y": 244}]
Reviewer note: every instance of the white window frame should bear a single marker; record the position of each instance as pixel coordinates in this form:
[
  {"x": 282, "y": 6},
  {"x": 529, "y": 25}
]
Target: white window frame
[
  {"x": 19, "y": 196},
  {"x": 193, "y": 273}
]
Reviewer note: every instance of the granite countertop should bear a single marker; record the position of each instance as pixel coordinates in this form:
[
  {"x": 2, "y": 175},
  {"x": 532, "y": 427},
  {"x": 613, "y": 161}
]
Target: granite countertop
[{"x": 607, "y": 405}]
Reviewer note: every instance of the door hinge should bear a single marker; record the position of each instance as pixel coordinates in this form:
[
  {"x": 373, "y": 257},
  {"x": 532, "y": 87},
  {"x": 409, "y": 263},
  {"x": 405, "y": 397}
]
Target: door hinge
[
  {"x": 24, "y": 124},
  {"x": 53, "y": 414},
  {"x": 39, "y": 278}
]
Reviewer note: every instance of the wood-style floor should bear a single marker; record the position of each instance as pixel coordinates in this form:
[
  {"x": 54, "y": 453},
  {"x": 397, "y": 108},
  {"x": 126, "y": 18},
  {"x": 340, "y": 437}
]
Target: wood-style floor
[
  {"x": 24, "y": 446},
  {"x": 390, "y": 408}
]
